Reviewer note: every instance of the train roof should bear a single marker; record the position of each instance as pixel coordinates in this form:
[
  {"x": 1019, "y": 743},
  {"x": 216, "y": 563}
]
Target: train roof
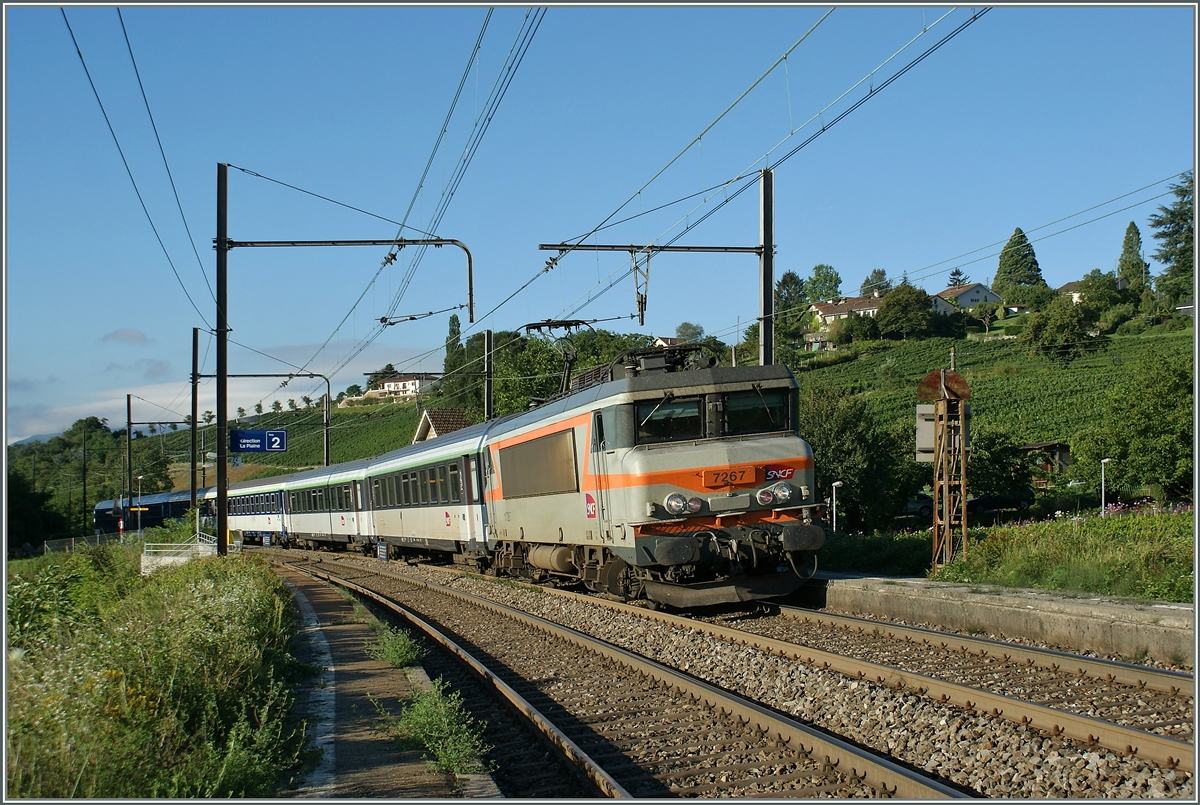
[{"x": 155, "y": 498}]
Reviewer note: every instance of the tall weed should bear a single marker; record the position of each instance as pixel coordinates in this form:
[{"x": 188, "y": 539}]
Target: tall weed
[
  {"x": 1147, "y": 556},
  {"x": 174, "y": 685},
  {"x": 439, "y": 723}
]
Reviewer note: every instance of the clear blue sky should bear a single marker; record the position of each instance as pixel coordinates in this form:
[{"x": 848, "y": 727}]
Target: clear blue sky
[{"x": 1028, "y": 116}]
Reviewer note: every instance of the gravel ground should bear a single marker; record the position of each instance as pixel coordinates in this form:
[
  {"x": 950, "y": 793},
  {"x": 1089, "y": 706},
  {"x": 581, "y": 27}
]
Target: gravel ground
[{"x": 991, "y": 756}]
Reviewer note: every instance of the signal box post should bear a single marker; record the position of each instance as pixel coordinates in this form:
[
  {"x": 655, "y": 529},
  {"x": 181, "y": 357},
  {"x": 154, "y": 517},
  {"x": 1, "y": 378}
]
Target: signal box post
[{"x": 942, "y": 437}]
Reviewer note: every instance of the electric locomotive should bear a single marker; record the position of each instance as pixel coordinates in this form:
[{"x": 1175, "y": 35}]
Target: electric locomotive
[{"x": 669, "y": 479}]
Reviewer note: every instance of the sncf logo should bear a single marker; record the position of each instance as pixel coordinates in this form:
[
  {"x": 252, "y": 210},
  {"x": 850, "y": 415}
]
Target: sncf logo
[
  {"x": 779, "y": 473},
  {"x": 590, "y": 502}
]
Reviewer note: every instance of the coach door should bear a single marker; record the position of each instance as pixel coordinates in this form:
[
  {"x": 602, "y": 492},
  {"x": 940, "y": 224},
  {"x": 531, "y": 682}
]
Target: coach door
[{"x": 362, "y": 520}]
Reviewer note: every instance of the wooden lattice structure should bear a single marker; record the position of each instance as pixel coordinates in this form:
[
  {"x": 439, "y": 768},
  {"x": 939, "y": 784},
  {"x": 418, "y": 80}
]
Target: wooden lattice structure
[{"x": 948, "y": 392}]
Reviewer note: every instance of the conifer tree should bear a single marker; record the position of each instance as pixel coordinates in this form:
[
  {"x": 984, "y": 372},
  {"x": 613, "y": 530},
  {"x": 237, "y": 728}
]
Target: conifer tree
[
  {"x": 877, "y": 280},
  {"x": 957, "y": 279},
  {"x": 1018, "y": 265},
  {"x": 791, "y": 303},
  {"x": 1176, "y": 227},
  {"x": 1131, "y": 265}
]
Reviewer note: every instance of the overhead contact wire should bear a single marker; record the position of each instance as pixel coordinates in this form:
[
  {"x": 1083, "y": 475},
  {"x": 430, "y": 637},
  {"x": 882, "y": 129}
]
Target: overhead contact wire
[{"x": 128, "y": 171}]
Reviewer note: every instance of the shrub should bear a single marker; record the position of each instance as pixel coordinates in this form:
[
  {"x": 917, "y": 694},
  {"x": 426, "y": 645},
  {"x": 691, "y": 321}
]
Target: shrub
[
  {"x": 397, "y": 648},
  {"x": 441, "y": 724}
]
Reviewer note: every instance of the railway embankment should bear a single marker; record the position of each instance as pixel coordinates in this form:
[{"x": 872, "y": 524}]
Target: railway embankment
[{"x": 1107, "y": 626}]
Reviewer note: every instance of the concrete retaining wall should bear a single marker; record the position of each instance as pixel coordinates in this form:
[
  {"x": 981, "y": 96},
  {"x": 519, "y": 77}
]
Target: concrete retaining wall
[{"x": 1113, "y": 628}]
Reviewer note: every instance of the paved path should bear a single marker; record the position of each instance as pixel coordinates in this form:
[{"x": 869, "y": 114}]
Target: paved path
[{"x": 359, "y": 759}]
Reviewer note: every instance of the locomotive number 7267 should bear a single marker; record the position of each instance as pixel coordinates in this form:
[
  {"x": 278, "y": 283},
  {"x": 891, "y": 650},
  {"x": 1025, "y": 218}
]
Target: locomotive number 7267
[{"x": 730, "y": 476}]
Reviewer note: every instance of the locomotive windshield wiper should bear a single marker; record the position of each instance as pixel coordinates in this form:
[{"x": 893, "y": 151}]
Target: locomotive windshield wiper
[
  {"x": 666, "y": 397},
  {"x": 757, "y": 387}
]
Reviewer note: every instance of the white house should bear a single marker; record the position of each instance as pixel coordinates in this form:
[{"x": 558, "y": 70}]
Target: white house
[
  {"x": 841, "y": 307},
  {"x": 966, "y": 297},
  {"x": 408, "y": 386}
]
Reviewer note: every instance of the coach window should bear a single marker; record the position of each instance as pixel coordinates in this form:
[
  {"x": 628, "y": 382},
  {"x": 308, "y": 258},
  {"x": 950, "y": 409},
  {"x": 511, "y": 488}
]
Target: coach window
[
  {"x": 405, "y": 497},
  {"x": 376, "y": 494},
  {"x": 413, "y": 488},
  {"x": 443, "y": 488},
  {"x": 455, "y": 489},
  {"x": 424, "y": 486}
]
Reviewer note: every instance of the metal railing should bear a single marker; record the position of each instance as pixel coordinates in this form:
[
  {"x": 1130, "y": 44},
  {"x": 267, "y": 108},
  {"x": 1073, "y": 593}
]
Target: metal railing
[
  {"x": 71, "y": 543},
  {"x": 199, "y": 544}
]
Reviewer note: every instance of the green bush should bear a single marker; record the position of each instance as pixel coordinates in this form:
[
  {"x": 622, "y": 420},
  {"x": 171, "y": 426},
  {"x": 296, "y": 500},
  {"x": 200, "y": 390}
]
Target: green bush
[
  {"x": 397, "y": 648},
  {"x": 439, "y": 723},
  {"x": 906, "y": 553},
  {"x": 172, "y": 685},
  {"x": 1146, "y": 556}
]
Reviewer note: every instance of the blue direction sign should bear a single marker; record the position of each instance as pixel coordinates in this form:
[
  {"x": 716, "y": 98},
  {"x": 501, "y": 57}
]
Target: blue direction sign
[{"x": 257, "y": 441}]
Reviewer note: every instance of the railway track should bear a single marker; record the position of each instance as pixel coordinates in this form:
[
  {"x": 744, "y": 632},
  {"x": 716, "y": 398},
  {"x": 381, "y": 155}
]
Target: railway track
[
  {"x": 638, "y": 728},
  {"x": 944, "y": 727},
  {"x": 1136, "y": 696}
]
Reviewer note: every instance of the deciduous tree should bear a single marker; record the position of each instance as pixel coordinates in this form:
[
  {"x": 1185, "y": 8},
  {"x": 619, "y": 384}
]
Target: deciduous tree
[
  {"x": 824, "y": 284},
  {"x": 855, "y": 327},
  {"x": 1060, "y": 331},
  {"x": 1146, "y": 429},
  {"x": 905, "y": 312},
  {"x": 1098, "y": 291},
  {"x": 850, "y": 445},
  {"x": 995, "y": 465},
  {"x": 689, "y": 333}
]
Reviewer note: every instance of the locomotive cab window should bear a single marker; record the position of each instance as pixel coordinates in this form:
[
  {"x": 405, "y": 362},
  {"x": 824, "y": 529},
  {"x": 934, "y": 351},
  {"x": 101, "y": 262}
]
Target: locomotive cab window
[
  {"x": 668, "y": 420},
  {"x": 757, "y": 411}
]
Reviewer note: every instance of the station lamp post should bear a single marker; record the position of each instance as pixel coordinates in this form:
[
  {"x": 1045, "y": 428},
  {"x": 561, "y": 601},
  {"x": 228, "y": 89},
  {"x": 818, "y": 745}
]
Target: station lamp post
[
  {"x": 1103, "y": 461},
  {"x": 836, "y": 484}
]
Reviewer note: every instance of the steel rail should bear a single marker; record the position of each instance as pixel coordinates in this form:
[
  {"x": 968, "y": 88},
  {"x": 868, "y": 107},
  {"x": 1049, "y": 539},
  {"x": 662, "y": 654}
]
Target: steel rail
[
  {"x": 564, "y": 745},
  {"x": 886, "y": 777},
  {"x": 1167, "y": 752},
  {"x": 1141, "y": 676}
]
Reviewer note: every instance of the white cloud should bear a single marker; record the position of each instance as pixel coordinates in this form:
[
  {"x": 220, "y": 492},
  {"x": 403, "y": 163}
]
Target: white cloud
[{"x": 127, "y": 336}]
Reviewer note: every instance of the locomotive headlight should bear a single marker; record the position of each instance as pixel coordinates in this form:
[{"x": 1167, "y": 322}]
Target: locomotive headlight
[
  {"x": 675, "y": 503},
  {"x": 694, "y": 505},
  {"x": 783, "y": 492},
  {"x": 765, "y": 497}
]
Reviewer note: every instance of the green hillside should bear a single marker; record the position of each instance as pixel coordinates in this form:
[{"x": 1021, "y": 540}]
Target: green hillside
[
  {"x": 1036, "y": 398},
  {"x": 353, "y": 433}
]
